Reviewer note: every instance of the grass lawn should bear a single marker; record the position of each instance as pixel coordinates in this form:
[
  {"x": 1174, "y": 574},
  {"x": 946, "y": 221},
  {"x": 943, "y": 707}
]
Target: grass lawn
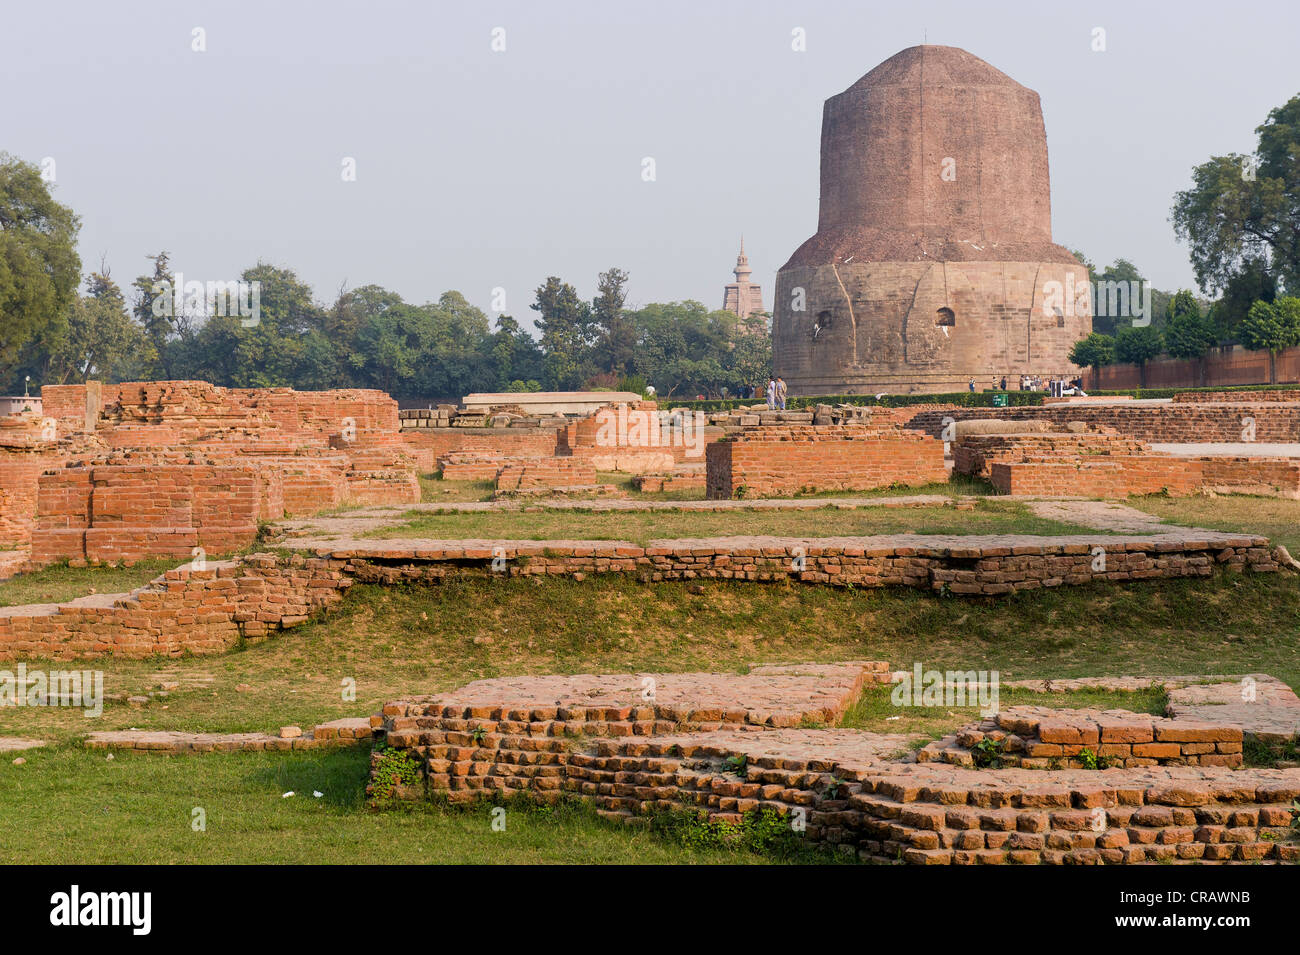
[
  {"x": 61, "y": 582},
  {"x": 434, "y": 489},
  {"x": 400, "y": 641},
  {"x": 988, "y": 517},
  {"x": 71, "y": 806},
  {"x": 1276, "y": 518},
  {"x": 66, "y": 803}
]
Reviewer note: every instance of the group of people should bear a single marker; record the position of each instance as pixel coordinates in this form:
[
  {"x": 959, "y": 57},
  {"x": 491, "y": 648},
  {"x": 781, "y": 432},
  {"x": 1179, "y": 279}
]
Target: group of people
[
  {"x": 1057, "y": 386},
  {"x": 774, "y": 394}
]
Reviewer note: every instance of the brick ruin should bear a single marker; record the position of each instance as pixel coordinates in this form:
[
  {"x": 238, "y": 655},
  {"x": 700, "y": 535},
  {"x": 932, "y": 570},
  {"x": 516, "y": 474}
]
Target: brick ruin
[
  {"x": 209, "y": 607},
  {"x": 185, "y": 611},
  {"x": 637, "y": 439},
  {"x": 776, "y": 461},
  {"x": 1184, "y": 422},
  {"x": 1029, "y": 457},
  {"x": 727, "y": 745},
  {"x": 1037, "y": 737},
  {"x": 139, "y": 469}
]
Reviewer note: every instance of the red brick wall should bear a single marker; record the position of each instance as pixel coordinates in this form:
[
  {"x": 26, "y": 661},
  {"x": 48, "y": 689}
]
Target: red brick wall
[
  {"x": 184, "y": 611},
  {"x": 1118, "y": 476},
  {"x": 1238, "y": 397},
  {"x": 1162, "y": 423},
  {"x": 773, "y": 461},
  {"x": 1222, "y": 367},
  {"x": 115, "y": 512},
  {"x": 429, "y": 444}
]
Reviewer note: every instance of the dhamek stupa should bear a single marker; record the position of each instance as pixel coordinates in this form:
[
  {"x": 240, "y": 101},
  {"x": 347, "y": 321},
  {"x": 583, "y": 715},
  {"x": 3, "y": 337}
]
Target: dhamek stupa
[{"x": 933, "y": 260}]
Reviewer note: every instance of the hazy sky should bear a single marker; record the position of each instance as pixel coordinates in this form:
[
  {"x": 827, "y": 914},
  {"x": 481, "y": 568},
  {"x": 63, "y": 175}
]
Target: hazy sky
[{"x": 478, "y": 169}]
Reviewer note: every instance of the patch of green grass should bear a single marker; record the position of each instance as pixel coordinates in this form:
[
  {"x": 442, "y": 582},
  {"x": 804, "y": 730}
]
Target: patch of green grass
[
  {"x": 69, "y": 806},
  {"x": 988, "y": 517},
  {"x": 1276, "y": 518},
  {"x": 60, "y": 582},
  {"x": 433, "y": 489},
  {"x": 409, "y": 640}
]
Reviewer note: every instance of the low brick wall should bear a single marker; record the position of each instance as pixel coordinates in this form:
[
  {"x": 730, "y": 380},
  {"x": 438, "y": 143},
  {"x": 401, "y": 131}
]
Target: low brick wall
[
  {"x": 156, "y": 505},
  {"x": 521, "y": 475},
  {"x": 764, "y": 462},
  {"x": 1035, "y": 737},
  {"x": 1117, "y": 476},
  {"x": 974, "y": 453},
  {"x": 1184, "y": 422},
  {"x": 183, "y": 611},
  {"x": 1238, "y": 397},
  {"x": 710, "y": 750},
  {"x": 19, "y": 474},
  {"x": 976, "y": 565},
  {"x": 427, "y": 445}
]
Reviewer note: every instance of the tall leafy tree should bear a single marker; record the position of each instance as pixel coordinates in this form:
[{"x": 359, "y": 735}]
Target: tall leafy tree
[
  {"x": 157, "y": 309},
  {"x": 1095, "y": 351},
  {"x": 1243, "y": 212},
  {"x": 1188, "y": 333},
  {"x": 616, "y": 341},
  {"x": 101, "y": 340},
  {"x": 39, "y": 266},
  {"x": 565, "y": 324}
]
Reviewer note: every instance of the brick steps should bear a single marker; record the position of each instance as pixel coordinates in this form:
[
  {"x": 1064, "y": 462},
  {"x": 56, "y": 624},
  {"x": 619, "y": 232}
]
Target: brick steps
[{"x": 1042, "y": 738}]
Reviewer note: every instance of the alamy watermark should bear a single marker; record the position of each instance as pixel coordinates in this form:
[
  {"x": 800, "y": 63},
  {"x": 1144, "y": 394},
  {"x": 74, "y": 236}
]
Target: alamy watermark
[
  {"x": 209, "y": 299},
  {"x": 1128, "y": 299},
  {"x": 628, "y": 427},
  {"x": 935, "y": 688},
  {"x": 82, "y": 689}
]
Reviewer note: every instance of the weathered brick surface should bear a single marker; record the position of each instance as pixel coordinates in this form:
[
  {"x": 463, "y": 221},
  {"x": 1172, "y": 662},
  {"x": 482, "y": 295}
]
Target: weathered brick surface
[
  {"x": 718, "y": 747},
  {"x": 1169, "y": 422},
  {"x": 522, "y": 474},
  {"x": 273, "y": 450},
  {"x": 771, "y": 461},
  {"x": 349, "y": 731},
  {"x": 183, "y": 611},
  {"x": 151, "y": 504},
  {"x": 1238, "y": 397},
  {"x": 987, "y": 565},
  {"x": 428, "y": 445},
  {"x": 1036, "y": 737}
]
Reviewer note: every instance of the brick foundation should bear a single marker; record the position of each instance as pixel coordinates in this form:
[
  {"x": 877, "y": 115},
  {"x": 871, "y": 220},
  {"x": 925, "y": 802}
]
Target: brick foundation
[
  {"x": 765, "y": 462},
  {"x": 183, "y": 611}
]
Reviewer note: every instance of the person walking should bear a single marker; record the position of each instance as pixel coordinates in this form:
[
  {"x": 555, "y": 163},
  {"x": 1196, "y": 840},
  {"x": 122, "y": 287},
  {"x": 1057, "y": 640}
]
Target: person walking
[
  {"x": 1004, "y": 382},
  {"x": 781, "y": 392},
  {"x": 970, "y": 385},
  {"x": 771, "y": 393}
]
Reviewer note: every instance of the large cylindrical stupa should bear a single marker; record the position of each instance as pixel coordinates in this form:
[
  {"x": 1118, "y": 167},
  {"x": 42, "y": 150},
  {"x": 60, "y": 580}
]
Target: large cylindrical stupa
[{"x": 933, "y": 261}]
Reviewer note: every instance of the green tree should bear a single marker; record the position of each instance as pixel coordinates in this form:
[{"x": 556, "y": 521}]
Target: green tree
[
  {"x": 1095, "y": 351},
  {"x": 1188, "y": 333},
  {"x": 1138, "y": 346},
  {"x": 157, "y": 308},
  {"x": 615, "y": 332},
  {"x": 1244, "y": 211},
  {"x": 565, "y": 324},
  {"x": 1271, "y": 327},
  {"x": 101, "y": 339},
  {"x": 39, "y": 266}
]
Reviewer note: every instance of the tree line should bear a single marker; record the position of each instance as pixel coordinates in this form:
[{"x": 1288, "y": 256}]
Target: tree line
[
  {"x": 1241, "y": 221},
  {"x": 57, "y": 329}
]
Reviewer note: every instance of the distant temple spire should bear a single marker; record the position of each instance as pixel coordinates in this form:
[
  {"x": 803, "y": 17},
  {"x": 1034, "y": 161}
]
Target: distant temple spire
[{"x": 742, "y": 297}]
